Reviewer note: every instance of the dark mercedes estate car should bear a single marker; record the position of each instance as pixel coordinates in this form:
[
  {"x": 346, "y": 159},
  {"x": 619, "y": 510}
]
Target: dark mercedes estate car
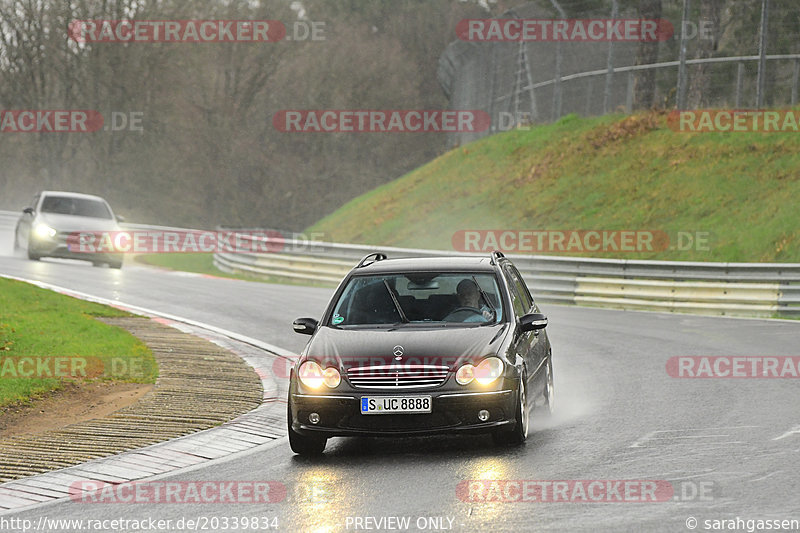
[{"x": 417, "y": 346}]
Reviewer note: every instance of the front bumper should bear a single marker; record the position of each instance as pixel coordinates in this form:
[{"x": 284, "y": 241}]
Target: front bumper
[
  {"x": 452, "y": 411},
  {"x": 57, "y": 247}
]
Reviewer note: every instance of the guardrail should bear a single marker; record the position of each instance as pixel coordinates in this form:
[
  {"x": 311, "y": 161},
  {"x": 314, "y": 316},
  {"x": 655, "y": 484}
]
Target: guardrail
[
  {"x": 735, "y": 289},
  {"x": 10, "y": 215},
  {"x": 14, "y": 215}
]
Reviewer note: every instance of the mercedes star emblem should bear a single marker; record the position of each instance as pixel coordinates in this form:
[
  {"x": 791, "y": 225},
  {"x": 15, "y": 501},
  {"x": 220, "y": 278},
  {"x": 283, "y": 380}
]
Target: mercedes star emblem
[{"x": 398, "y": 352}]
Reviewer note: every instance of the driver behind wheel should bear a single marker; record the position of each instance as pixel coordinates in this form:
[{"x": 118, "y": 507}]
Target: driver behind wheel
[{"x": 469, "y": 296}]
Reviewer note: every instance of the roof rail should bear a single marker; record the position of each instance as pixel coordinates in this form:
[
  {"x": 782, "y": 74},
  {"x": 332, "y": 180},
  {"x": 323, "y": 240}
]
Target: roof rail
[
  {"x": 377, "y": 255},
  {"x": 495, "y": 256}
]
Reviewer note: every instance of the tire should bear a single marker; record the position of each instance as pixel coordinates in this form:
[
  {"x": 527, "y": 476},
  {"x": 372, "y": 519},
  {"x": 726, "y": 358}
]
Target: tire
[
  {"x": 116, "y": 265},
  {"x": 302, "y": 445},
  {"x": 33, "y": 256},
  {"x": 17, "y": 247},
  {"x": 516, "y": 435}
]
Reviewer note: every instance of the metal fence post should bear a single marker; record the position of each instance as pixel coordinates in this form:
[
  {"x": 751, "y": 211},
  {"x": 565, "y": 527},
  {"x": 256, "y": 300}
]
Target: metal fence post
[
  {"x": 519, "y": 85},
  {"x": 610, "y": 63},
  {"x": 492, "y": 103},
  {"x": 682, "y": 66},
  {"x": 762, "y": 53},
  {"x": 795, "y": 80},
  {"x": 557, "y": 87},
  {"x": 629, "y": 97},
  {"x": 531, "y": 93}
]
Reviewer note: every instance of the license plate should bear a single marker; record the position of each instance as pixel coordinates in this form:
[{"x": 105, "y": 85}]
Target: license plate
[{"x": 386, "y": 405}]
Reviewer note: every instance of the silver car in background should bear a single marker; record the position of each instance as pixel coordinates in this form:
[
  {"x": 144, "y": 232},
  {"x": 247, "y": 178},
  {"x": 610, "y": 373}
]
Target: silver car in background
[{"x": 43, "y": 229}]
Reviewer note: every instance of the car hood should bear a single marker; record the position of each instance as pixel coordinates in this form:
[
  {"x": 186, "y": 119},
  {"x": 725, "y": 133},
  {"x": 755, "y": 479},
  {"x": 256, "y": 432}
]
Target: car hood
[
  {"x": 347, "y": 348},
  {"x": 63, "y": 223}
]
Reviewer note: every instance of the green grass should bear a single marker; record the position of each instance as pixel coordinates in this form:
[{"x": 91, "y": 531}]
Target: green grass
[
  {"x": 608, "y": 173},
  {"x": 42, "y": 326},
  {"x": 200, "y": 263}
]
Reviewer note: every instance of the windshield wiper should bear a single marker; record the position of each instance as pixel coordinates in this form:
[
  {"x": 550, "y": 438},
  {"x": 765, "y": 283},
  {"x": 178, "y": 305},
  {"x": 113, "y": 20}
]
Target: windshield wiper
[
  {"x": 485, "y": 299},
  {"x": 396, "y": 303}
]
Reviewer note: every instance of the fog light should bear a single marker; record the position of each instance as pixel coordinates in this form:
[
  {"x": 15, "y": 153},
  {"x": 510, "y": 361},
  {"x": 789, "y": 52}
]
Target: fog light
[
  {"x": 483, "y": 415},
  {"x": 313, "y": 418}
]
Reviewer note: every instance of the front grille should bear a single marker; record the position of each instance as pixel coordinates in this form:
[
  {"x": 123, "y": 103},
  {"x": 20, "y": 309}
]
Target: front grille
[{"x": 397, "y": 376}]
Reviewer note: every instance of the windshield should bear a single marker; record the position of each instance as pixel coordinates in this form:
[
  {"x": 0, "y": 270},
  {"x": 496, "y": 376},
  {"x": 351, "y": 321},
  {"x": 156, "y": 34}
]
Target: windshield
[
  {"x": 420, "y": 297},
  {"x": 82, "y": 207}
]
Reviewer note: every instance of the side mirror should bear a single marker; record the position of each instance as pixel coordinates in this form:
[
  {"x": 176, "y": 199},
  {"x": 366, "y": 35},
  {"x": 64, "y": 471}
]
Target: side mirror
[
  {"x": 28, "y": 210},
  {"x": 533, "y": 322},
  {"x": 120, "y": 218},
  {"x": 306, "y": 326}
]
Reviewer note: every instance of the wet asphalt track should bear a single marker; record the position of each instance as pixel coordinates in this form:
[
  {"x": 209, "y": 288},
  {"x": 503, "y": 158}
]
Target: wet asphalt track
[{"x": 729, "y": 447}]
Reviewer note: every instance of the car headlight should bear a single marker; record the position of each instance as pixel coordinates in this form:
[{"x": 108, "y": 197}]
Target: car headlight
[
  {"x": 489, "y": 370},
  {"x": 465, "y": 374},
  {"x": 485, "y": 373},
  {"x": 44, "y": 231},
  {"x": 313, "y": 377},
  {"x": 331, "y": 377}
]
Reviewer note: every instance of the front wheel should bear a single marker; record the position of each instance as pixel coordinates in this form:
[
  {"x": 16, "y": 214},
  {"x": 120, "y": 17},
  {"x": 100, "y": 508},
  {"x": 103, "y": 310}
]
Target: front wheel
[
  {"x": 33, "y": 256},
  {"x": 519, "y": 432},
  {"x": 302, "y": 445},
  {"x": 547, "y": 407}
]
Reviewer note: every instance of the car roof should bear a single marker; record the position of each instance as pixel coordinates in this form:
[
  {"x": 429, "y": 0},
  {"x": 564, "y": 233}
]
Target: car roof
[
  {"x": 423, "y": 264},
  {"x": 71, "y": 195}
]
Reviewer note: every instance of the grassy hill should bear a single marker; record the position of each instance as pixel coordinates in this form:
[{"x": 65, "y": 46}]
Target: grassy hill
[{"x": 607, "y": 173}]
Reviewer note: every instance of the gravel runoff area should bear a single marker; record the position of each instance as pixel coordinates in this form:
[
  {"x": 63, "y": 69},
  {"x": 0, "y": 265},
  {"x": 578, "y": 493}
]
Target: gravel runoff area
[{"x": 200, "y": 385}]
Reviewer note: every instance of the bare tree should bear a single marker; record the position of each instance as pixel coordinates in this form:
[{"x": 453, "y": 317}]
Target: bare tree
[
  {"x": 707, "y": 45},
  {"x": 647, "y": 53}
]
